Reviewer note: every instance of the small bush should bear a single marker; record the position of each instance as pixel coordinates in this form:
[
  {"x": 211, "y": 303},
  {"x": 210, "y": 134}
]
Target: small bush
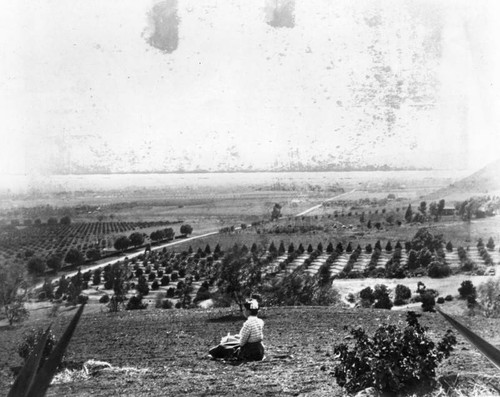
[
  {"x": 467, "y": 289},
  {"x": 155, "y": 285},
  {"x": 402, "y": 292},
  {"x": 171, "y": 292},
  {"x": 366, "y": 294},
  {"x": 82, "y": 299},
  {"x": 428, "y": 302},
  {"x": 448, "y": 298},
  {"x": 104, "y": 299},
  {"x": 165, "y": 280},
  {"x": 381, "y": 295},
  {"x": 440, "y": 300},
  {"x": 167, "y": 304},
  {"x": 135, "y": 303},
  {"x": 439, "y": 270},
  {"x": 380, "y": 362}
]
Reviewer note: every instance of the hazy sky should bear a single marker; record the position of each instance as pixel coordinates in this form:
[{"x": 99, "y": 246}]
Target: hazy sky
[{"x": 129, "y": 85}]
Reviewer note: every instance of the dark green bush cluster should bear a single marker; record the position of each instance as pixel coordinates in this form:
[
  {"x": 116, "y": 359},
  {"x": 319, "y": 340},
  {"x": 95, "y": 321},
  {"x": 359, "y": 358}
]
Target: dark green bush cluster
[
  {"x": 402, "y": 294},
  {"x": 468, "y": 291},
  {"x": 393, "y": 360},
  {"x": 104, "y": 299},
  {"x": 135, "y": 303}
]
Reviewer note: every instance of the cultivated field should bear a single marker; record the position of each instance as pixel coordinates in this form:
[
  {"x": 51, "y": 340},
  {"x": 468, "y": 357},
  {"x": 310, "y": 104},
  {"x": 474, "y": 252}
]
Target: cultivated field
[{"x": 353, "y": 233}]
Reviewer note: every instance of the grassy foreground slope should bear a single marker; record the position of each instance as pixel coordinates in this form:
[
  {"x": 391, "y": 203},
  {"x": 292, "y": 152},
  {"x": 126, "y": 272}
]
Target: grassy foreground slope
[{"x": 168, "y": 352}]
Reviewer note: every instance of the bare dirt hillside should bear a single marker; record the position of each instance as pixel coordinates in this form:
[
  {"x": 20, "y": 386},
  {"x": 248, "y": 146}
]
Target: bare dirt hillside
[
  {"x": 484, "y": 181},
  {"x": 165, "y": 352}
]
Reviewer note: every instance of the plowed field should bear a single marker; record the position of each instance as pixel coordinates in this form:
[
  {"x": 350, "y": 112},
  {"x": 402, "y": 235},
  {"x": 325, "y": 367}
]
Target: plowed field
[{"x": 168, "y": 351}]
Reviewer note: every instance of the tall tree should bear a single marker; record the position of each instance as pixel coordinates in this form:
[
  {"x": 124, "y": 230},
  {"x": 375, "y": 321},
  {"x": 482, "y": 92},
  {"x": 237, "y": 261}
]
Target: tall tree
[
  {"x": 239, "y": 275},
  {"x": 36, "y": 265},
  {"x": 74, "y": 257},
  {"x": 54, "y": 262},
  {"x": 121, "y": 243},
  {"x": 186, "y": 229},
  {"x": 136, "y": 239}
]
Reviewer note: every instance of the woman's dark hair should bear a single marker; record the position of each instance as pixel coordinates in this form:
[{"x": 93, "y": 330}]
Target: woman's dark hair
[{"x": 253, "y": 312}]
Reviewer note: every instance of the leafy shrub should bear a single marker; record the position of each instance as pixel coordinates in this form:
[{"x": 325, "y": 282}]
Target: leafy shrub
[
  {"x": 393, "y": 360},
  {"x": 428, "y": 302},
  {"x": 167, "y": 304},
  {"x": 135, "y": 303},
  {"x": 104, "y": 299},
  {"x": 165, "y": 280},
  {"x": 440, "y": 300},
  {"x": 155, "y": 285},
  {"x": 467, "y": 289},
  {"x": 142, "y": 286},
  {"x": 366, "y": 294},
  {"x": 171, "y": 292},
  {"x": 35, "y": 265},
  {"x": 382, "y": 299},
  {"x": 30, "y": 341},
  {"x": 439, "y": 270},
  {"x": 448, "y": 298},
  {"x": 489, "y": 298},
  {"x": 402, "y": 293}
]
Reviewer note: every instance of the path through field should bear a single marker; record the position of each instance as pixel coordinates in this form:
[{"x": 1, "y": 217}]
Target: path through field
[{"x": 324, "y": 201}]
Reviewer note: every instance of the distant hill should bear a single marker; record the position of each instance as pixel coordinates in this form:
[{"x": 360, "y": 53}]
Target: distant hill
[{"x": 484, "y": 181}]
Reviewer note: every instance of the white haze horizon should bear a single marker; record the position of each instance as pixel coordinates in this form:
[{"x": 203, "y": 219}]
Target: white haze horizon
[{"x": 179, "y": 85}]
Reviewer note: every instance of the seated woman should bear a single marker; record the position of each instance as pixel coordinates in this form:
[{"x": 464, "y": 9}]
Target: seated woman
[
  {"x": 251, "y": 335},
  {"x": 248, "y": 344}
]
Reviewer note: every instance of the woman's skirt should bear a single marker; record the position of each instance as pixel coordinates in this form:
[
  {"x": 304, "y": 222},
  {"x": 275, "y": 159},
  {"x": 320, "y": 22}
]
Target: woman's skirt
[{"x": 251, "y": 351}]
